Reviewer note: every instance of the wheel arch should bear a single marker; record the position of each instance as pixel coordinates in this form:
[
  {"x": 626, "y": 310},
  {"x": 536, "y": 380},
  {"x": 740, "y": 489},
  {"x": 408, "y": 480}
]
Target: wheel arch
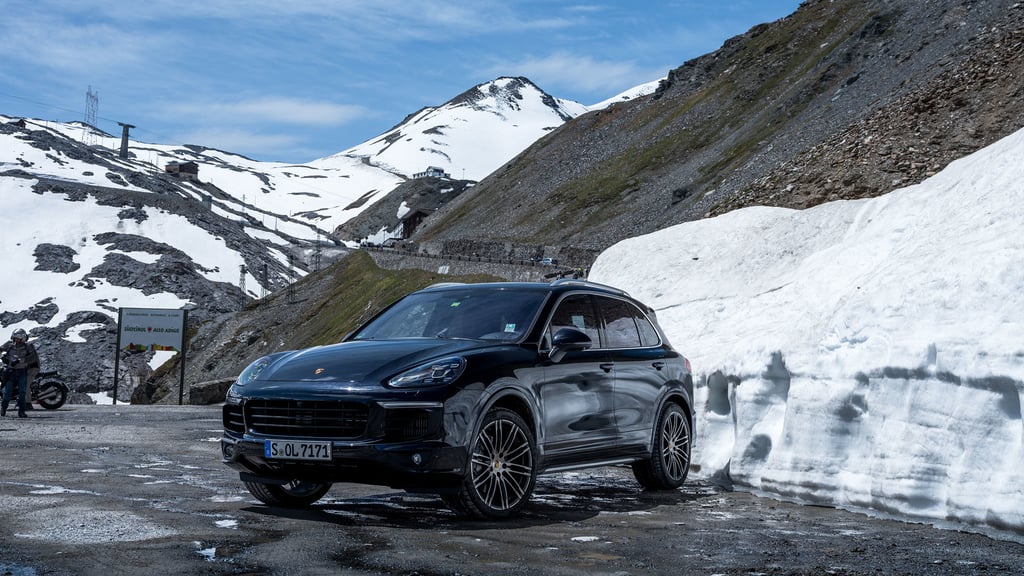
[
  {"x": 512, "y": 398},
  {"x": 681, "y": 399}
]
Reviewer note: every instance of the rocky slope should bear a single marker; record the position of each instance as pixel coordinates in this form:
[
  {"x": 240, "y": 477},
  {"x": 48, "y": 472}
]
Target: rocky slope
[
  {"x": 843, "y": 98},
  {"x": 384, "y": 219},
  {"x": 968, "y": 105}
]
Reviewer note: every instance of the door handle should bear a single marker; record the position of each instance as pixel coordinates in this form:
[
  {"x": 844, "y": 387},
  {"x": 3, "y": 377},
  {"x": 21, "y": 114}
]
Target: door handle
[
  {"x": 658, "y": 365},
  {"x": 607, "y": 366}
]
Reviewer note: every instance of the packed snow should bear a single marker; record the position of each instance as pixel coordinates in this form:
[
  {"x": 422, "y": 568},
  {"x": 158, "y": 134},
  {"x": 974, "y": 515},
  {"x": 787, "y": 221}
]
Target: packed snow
[
  {"x": 79, "y": 223},
  {"x": 862, "y": 354}
]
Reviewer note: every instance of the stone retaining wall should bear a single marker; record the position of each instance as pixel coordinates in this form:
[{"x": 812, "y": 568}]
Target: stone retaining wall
[{"x": 515, "y": 270}]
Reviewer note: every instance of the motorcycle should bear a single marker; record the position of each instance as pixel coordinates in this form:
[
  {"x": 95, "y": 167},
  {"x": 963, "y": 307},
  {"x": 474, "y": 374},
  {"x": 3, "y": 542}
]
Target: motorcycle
[{"x": 46, "y": 389}]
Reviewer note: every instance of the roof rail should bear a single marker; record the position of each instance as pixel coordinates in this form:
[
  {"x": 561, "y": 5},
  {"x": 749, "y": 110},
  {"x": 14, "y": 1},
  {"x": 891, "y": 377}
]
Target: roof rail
[
  {"x": 445, "y": 284},
  {"x": 579, "y": 282}
]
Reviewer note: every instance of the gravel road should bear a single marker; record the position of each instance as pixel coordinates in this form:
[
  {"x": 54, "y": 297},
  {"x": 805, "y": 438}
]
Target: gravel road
[{"x": 111, "y": 490}]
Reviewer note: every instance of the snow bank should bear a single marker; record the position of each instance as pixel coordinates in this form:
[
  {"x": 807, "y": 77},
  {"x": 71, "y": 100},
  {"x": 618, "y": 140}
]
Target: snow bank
[{"x": 863, "y": 354}]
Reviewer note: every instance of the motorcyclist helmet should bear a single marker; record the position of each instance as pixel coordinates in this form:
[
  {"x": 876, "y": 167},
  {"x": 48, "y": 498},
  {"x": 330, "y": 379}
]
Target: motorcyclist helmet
[{"x": 19, "y": 334}]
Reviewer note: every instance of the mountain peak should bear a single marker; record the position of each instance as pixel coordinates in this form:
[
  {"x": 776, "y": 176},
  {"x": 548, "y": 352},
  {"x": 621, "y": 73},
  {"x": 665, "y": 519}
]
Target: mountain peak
[
  {"x": 510, "y": 92},
  {"x": 503, "y": 89},
  {"x": 471, "y": 135}
]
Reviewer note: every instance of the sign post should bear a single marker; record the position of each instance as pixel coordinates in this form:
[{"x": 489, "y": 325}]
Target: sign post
[{"x": 151, "y": 329}]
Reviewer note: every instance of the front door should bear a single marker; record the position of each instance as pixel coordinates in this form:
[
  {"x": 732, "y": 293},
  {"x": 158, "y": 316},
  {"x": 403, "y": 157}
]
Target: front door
[{"x": 576, "y": 394}]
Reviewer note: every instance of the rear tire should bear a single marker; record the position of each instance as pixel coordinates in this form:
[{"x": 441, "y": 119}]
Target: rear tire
[
  {"x": 294, "y": 494},
  {"x": 670, "y": 461},
  {"x": 502, "y": 469},
  {"x": 51, "y": 395}
]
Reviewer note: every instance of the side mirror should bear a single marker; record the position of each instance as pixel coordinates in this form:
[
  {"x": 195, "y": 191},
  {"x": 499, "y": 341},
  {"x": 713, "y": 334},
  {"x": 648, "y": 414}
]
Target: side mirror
[{"x": 568, "y": 340}]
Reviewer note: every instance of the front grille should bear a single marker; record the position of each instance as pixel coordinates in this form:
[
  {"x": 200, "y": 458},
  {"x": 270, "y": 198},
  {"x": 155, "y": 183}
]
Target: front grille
[
  {"x": 233, "y": 421},
  {"x": 321, "y": 419}
]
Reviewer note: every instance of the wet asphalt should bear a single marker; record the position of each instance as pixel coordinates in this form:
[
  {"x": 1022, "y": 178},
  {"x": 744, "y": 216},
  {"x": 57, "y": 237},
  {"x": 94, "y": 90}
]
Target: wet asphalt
[{"x": 111, "y": 490}]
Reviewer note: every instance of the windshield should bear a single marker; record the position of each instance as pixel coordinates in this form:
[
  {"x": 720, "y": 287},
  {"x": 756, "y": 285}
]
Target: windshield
[{"x": 475, "y": 313}]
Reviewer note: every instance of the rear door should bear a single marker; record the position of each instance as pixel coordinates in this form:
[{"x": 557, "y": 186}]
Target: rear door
[{"x": 641, "y": 370}]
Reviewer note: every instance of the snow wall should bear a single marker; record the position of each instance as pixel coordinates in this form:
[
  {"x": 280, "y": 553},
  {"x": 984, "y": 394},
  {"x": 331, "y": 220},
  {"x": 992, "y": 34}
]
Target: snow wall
[{"x": 864, "y": 354}]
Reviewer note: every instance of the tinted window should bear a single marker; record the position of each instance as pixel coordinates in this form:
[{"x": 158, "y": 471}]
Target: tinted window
[
  {"x": 577, "y": 312},
  {"x": 648, "y": 333},
  {"x": 620, "y": 325},
  {"x": 477, "y": 313}
]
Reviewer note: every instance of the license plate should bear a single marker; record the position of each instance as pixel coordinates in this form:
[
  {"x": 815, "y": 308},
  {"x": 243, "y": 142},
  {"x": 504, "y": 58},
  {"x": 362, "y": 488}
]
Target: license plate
[{"x": 294, "y": 450}]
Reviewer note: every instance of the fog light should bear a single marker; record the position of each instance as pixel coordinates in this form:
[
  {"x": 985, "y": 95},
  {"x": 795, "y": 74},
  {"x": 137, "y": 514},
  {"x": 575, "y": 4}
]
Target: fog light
[
  {"x": 229, "y": 450},
  {"x": 417, "y": 459}
]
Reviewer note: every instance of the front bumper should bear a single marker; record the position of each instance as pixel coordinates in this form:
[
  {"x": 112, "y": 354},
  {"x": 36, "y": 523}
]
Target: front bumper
[{"x": 423, "y": 465}]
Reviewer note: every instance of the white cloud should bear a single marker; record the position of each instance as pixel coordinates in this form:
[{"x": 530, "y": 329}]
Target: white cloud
[
  {"x": 564, "y": 71},
  {"x": 274, "y": 109},
  {"x": 246, "y": 142},
  {"x": 73, "y": 50}
]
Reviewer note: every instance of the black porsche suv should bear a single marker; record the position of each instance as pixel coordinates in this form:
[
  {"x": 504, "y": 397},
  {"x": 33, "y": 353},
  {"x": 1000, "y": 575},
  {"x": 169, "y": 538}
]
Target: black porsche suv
[{"x": 468, "y": 391}]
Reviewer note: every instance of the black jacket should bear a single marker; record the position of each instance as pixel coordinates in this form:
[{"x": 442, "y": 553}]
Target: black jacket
[{"x": 20, "y": 355}]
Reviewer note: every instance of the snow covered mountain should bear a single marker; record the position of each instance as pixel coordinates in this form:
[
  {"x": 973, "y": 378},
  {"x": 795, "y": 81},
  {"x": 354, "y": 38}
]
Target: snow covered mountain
[
  {"x": 86, "y": 232},
  {"x": 470, "y": 136},
  {"x": 87, "y": 229}
]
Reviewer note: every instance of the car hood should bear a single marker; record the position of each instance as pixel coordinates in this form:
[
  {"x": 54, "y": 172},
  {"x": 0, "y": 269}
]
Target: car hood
[{"x": 360, "y": 362}]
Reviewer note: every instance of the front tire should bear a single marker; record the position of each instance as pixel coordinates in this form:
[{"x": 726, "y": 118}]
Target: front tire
[
  {"x": 670, "y": 461},
  {"x": 502, "y": 471},
  {"x": 294, "y": 494}
]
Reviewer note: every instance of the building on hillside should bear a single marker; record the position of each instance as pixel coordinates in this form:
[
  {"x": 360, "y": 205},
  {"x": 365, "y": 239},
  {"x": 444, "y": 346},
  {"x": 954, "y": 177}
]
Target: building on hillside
[
  {"x": 412, "y": 220},
  {"x": 184, "y": 170},
  {"x": 433, "y": 172}
]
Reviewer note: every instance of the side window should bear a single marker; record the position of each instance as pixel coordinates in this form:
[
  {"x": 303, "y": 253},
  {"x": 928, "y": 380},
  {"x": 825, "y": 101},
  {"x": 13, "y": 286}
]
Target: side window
[
  {"x": 648, "y": 333},
  {"x": 577, "y": 312},
  {"x": 620, "y": 324}
]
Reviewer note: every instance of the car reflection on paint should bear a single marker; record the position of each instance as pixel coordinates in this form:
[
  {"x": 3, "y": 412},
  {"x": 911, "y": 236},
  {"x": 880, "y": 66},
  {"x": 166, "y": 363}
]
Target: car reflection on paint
[{"x": 468, "y": 391}]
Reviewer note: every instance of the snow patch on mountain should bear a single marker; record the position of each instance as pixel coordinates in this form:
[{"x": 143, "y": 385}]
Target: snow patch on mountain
[{"x": 470, "y": 136}]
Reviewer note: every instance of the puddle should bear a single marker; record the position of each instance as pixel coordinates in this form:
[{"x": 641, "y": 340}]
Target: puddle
[{"x": 17, "y": 570}]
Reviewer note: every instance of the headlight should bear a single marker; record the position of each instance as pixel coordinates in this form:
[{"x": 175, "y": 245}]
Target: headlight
[
  {"x": 252, "y": 371},
  {"x": 233, "y": 396},
  {"x": 436, "y": 373}
]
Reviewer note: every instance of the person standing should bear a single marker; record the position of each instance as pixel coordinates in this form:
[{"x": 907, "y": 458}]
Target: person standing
[{"x": 19, "y": 355}]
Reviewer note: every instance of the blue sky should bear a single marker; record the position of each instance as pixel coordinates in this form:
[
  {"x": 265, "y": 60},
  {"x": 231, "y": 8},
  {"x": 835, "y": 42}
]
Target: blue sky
[{"x": 295, "y": 81}]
